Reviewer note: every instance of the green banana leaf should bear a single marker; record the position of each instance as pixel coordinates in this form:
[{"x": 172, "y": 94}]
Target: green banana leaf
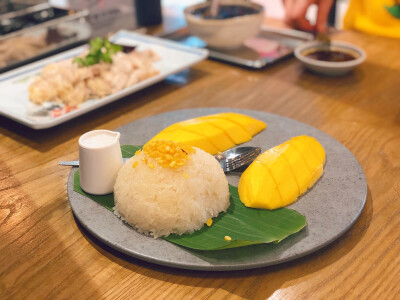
[
  {"x": 129, "y": 150},
  {"x": 104, "y": 200},
  {"x": 245, "y": 226}
]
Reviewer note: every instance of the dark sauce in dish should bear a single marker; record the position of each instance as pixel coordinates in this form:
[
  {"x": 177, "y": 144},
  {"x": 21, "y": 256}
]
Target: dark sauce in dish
[
  {"x": 333, "y": 56},
  {"x": 225, "y": 12}
]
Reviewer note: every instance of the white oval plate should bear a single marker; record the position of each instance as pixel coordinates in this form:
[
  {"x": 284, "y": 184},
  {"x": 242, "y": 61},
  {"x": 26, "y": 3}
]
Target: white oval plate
[{"x": 14, "y": 95}]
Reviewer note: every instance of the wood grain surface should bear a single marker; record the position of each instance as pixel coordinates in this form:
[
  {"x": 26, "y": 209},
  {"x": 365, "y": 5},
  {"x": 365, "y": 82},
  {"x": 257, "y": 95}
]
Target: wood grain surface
[{"x": 44, "y": 253}]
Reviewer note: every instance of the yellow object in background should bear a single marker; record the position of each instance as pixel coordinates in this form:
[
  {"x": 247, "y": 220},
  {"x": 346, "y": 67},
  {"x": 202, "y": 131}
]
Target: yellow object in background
[
  {"x": 281, "y": 174},
  {"x": 379, "y": 17},
  {"x": 214, "y": 133}
]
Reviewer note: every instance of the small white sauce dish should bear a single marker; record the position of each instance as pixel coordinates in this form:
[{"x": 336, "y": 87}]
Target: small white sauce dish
[{"x": 329, "y": 68}]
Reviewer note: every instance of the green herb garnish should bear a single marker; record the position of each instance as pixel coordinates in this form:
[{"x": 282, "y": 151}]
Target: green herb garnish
[{"x": 100, "y": 50}]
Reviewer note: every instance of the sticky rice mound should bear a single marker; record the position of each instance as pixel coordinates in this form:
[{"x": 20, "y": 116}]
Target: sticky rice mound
[{"x": 170, "y": 188}]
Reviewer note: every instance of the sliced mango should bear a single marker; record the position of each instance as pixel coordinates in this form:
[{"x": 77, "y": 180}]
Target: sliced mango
[
  {"x": 214, "y": 133},
  {"x": 190, "y": 138},
  {"x": 254, "y": 192},
  {"x": 236, "y": 133},
  {"x": 314, "y": 163},
  {"x": 298, "y": 165},
  {"x": 281, "y": 174},
  {"x": 279, "y": 168},
  {"x": 251, "y": 125}
]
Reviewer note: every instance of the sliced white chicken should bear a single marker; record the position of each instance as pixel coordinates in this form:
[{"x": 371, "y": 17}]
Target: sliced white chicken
[{"x": 68, "y": 83}]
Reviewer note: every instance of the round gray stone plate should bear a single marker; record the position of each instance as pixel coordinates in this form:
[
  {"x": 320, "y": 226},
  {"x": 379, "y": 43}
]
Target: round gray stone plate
[{"x": 330, "y": 207}]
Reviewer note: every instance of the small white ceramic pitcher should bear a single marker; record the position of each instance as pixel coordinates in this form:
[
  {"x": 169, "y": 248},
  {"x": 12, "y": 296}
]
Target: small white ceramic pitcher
[{"x": 100, "y": 159}]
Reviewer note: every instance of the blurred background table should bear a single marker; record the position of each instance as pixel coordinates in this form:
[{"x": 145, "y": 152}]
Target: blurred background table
[{"x": 46, "y": 254}]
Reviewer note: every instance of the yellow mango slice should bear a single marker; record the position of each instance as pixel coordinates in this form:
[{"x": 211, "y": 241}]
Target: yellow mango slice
[
  {"x": 236, "y": 133},
  {"x": 214, "y": 133},
  {"x": 288, "y": 171},
  {"x": 282, "y": 174},
  {"x": 192, "y": 139},
  {"x": 253, "y": 193},
  {"x": 314, "y": 164},
  {"x": 298, "y": 166},
  {"x": 251, "y": 125},
  {"x": 315, "y": 146}
]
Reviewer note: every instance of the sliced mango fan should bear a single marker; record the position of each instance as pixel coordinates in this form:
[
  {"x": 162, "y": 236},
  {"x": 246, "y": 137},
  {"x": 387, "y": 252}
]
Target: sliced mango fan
[
  {"x": 281, "y": 174},
  {"x": 224, "y": 131}
]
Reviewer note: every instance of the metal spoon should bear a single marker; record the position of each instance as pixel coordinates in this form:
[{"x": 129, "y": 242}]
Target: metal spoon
[
  {"x": 214, "y": 8},
  {"x": 237, "y": 157},
  {"x": 229, "y": 160},
  {"x": 212, "y": 11},
  {"x": 324, "y": 39}
]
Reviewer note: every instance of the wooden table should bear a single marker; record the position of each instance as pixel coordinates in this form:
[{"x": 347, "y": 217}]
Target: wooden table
[{"x": 44, "y": 253}]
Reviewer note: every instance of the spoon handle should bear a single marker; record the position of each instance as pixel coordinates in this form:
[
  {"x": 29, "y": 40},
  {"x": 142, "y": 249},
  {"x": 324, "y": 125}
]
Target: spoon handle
[
  {"x": 75, "y": 163},
  {"x": 242, "y": 156},
  {"x": 72, "y": 163},
  {"x": 214, "y": 8}
]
